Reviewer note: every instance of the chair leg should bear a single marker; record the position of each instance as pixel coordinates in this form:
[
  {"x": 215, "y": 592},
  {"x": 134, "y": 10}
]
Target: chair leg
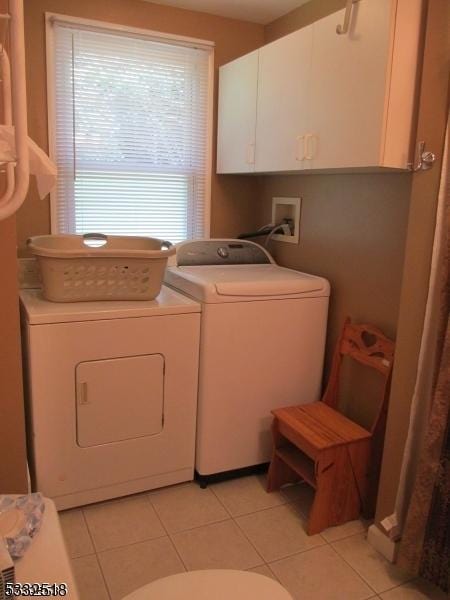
[
  {"x": 363, "y": 464},
  {"x": 320, "y": 515},
  {"x": 337, "y": 499}
]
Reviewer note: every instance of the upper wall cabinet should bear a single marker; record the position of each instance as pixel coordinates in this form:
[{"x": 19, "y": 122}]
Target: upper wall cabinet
[
  {"x": 327, "y": 101},
  {"x": 282, "y": 107},
  {"x": 238, "y": 84}
]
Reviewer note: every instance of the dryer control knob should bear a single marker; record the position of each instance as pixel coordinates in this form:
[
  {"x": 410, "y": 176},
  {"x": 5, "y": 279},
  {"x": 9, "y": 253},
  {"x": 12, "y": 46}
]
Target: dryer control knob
[{"x": 223, "y": 252}]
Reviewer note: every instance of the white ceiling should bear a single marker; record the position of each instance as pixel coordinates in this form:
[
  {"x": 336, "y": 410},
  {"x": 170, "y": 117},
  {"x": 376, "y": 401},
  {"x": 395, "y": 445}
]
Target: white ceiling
[{"x": 256, "y": 11}]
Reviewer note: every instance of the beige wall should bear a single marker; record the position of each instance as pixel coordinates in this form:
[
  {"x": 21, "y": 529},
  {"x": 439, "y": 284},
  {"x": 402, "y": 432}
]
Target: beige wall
[
  {"x": 13, "y": 473},
  {"x": 352, "y": 232},
  {"x": 301, "y": 16},
  {"x": 233, "y": 198}
]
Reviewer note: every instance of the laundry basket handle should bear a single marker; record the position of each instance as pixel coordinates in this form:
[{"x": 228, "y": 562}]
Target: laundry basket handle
[{"x": 95, "y": 237}]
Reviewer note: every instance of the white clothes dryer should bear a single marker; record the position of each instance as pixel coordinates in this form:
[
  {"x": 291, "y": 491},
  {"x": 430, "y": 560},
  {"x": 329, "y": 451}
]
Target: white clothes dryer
[
  {"x": 262, "y": 345},
  {"x": 112, "y": 394}
]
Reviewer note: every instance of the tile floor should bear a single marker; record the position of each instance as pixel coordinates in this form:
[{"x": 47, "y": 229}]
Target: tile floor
[{"x": 120, "y": 545}]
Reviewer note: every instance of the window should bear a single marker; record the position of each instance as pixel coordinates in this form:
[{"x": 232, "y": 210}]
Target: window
[{"x": 129, "y": 128}]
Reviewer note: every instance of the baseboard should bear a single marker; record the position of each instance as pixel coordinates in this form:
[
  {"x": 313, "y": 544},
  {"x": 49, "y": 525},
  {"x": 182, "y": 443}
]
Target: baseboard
[{"x": 381, "y": 542}]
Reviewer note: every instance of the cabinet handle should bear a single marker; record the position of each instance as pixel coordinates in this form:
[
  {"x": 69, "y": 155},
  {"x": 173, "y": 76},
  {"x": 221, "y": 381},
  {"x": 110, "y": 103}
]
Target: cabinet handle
[
  {"x": 251, "y": 154},
  {"x": 82, "y": 393},
  {"x": 310, "y": 149},
  {"x": 300, "y": 151}
]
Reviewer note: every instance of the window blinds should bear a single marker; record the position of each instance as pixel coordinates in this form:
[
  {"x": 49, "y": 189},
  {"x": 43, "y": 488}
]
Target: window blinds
[{"x": 130, "y": 134}]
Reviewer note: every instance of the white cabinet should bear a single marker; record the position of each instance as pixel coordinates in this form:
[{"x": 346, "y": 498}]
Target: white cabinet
[
  {"x": 327, "y": 101},
  {"x": 362, "y": 86},
  {"x": 282, "y": 107},
  {"x": 348, "y": 85},
  {"x": 238, "y": 84}
]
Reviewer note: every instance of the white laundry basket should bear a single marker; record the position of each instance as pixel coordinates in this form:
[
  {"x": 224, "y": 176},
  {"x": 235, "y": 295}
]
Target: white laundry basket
[{"x": 94, "y": 266}]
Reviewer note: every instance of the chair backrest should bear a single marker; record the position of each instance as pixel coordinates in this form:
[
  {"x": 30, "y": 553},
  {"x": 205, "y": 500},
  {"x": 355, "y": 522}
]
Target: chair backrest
[{"x": 369, "y": 346}]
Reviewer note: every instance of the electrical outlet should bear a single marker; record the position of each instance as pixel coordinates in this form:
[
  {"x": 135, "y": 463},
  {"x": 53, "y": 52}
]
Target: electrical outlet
[
  {"x": 287, "y": 210},
  {"x": 29, "y": 274}
]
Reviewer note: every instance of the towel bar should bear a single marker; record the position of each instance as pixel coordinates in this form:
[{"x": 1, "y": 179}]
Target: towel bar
[{"x": 15, "y": 105}]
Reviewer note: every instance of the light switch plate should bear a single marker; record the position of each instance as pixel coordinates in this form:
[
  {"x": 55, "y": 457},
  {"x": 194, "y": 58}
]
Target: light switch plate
[{"x": 287, "y": 208}]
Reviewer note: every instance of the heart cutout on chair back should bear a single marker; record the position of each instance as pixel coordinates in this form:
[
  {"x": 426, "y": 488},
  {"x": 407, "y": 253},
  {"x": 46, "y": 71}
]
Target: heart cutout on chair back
[{"x": 368, "y": 338}]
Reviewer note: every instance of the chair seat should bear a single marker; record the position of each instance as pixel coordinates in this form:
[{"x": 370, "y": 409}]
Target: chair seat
[
  {"x": 327, "y": 451},
  {"x": 316, "y": 427}
]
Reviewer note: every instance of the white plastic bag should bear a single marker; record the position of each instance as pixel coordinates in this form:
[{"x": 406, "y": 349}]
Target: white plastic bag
[{"x": 20, "y": 520}]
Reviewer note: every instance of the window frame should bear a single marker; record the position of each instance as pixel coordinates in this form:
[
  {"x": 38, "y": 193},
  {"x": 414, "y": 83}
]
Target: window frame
[{"x": 147, "y": 34}]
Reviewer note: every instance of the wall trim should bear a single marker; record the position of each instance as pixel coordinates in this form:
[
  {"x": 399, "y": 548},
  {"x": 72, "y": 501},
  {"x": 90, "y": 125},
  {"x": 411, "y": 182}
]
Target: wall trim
[
  {"x": 100, "y": 25},
  {"x": 380, "y": 541}
]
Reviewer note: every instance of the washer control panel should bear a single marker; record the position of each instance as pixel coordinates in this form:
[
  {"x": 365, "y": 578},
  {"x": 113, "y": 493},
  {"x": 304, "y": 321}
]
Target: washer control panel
[{"x": 221, "y": 252}]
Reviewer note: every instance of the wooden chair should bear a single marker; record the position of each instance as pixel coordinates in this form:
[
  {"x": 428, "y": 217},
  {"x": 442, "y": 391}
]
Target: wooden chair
[{"x": 337, "y": 457}]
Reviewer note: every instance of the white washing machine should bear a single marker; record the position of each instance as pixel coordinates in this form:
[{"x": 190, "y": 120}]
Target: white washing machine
[
  {"x": 112, "y": 394},
  {"x": 262, "y": 345}
]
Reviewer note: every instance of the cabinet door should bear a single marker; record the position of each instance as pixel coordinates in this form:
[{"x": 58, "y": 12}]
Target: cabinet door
[
  {"x": 238, "y": 84},
  {"x": 282, "y": 109},
  {"x": 349, "y": 76}
]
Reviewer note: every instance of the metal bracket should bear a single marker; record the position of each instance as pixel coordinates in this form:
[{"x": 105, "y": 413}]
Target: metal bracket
[{"x": 426, "y": 159}]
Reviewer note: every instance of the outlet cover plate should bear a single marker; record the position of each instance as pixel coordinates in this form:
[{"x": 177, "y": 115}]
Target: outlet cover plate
[
  {"x": 287, "y": 208},
  {"x": 29, "y": 274}
]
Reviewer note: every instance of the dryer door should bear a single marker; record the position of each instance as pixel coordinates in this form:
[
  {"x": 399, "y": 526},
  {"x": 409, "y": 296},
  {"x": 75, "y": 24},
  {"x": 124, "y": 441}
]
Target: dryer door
[{"x": 119, "y": 399}]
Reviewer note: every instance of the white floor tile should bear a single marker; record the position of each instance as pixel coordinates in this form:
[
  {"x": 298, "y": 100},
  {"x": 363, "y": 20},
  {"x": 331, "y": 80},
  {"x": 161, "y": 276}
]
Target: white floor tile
[
  {"x": 246, "y": 495},
  {"x": 217, "y": 546},
  {"x": 76, "y": 534},
  {"x": 129, "y": 568},
  {"x": 278, "y": 532},
  {"x": 302, "y": 494},
  {"x": 333, "y": 534},
  {"x": 187, "y": 506},
  {"x": 122, "y": 522},
  {"x": 320, "y": 574},
  {"x": 379, "y": 573},
  {"x": 263, "y": 570},
  {"x": 415, "y": 590},
  {"x": 89, "y": 579}
]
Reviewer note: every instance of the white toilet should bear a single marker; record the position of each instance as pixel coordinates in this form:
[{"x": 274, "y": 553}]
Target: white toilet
[{"x": 214, "y": 584}]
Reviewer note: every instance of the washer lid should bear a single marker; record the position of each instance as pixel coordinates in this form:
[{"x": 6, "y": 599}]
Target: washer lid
[
  {"x": 39, "y": 311},
  {"x": 234, "y": 282}
]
